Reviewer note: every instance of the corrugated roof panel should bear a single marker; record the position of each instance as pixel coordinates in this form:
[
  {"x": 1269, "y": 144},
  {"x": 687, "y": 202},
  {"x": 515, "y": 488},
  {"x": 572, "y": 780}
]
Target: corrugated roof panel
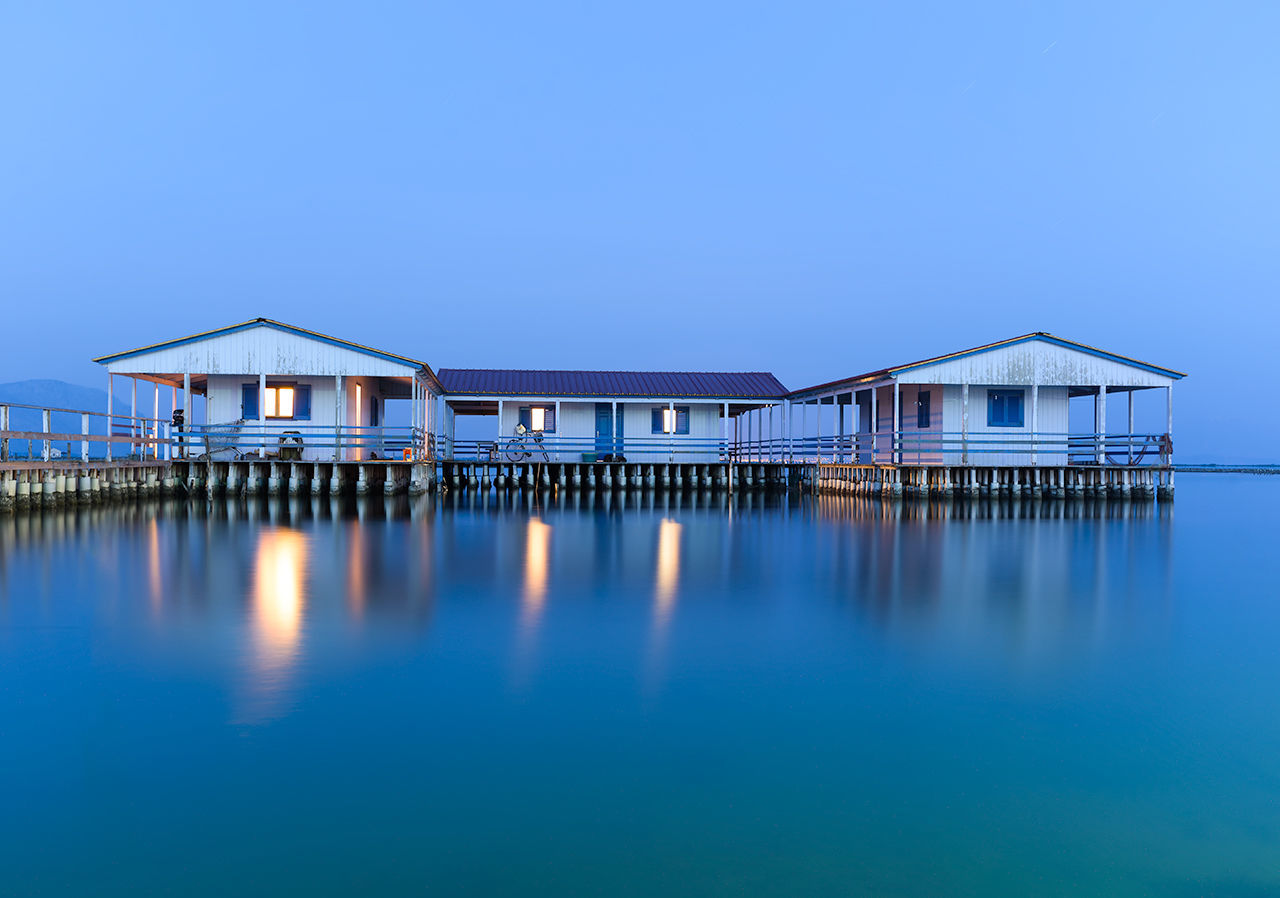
[{"x": 676, "y": 384}]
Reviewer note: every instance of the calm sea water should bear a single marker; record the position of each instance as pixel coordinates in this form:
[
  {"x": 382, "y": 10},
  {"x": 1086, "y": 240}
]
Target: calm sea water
[{"x": 810, "y": 698}]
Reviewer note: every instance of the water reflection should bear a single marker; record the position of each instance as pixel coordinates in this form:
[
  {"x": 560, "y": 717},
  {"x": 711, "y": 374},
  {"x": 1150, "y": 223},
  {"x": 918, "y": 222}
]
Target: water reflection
[
  {"x": 1018, "y": 579},
  {"x": 668, "y": 570},
  {"x": 280, "y": 566},
  {"x": 536, "y": 550}
]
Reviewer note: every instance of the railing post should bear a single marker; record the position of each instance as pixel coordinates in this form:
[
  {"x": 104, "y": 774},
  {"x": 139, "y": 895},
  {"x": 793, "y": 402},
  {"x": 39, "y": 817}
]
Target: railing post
[
  {"x": 84, "y": 432},
  {"x": 45, "y": 455},
  {"x": 897, "y": 422},
  {"x": 1100, "y": 425},
  {"x": 111, "y": 378},
  {"x": 1035, "y": 423},
  {"x": 4, "y": 428}
]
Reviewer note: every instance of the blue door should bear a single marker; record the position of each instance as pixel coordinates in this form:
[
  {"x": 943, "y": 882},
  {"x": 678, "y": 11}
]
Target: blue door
[{"x": 604, "y": 428}]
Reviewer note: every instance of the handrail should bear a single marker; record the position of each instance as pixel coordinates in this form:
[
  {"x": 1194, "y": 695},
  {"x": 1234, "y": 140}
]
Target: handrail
[{"x": 139, "y": 434}]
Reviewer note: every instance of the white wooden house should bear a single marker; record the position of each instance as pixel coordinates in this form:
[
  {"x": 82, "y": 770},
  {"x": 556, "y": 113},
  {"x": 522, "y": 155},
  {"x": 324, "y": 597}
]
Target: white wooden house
[
  {"x": 1002, "y": 404},
  {"x": 275, "y": 390},
  {"x": 572, "y": 416}
]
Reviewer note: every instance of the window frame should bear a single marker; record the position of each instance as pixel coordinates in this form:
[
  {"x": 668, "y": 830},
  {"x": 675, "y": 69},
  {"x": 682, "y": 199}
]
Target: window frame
[
  {"x": 924, "y": 409},
  {"x": 1004, "y": 395},
  {"x": 525, "y": 413},
  {"x": 299, "y": 391},
  {"x": 658, "y": 420}
]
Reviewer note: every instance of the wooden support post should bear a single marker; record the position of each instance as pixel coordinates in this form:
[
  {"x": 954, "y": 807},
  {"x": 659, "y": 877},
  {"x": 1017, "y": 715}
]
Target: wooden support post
[
  {"x": 155, "y": 419},
  {"x": 337, "y": 420},
  {"x": 262, "y": 413},
  {"x": 724, "y": 431},
  {"x": 897, "y": 423},
  {"x": 559, "y": 430},
  {"x": 839, "y": 409},
  {"x": 188, "y": 415},
  {"x": 84, "y": 432},
  {"x": 1035, "y": 423},
  {"x": 133, "y": 415},
  {"x": 46, "y": 419},
  {"x": 614, "y": 448},
  {"x": 4, "y": 428},
  {"x": 110, "y": 405},
  {"x": 1100, "y": 424},
  {"x": 875, "y": 425},
  {"x": 964, "y": 424},
  {"x": 1130, "y": 437},
  {"x": 1168, "y": 425},
  {"x": 804, "y": 426},
  {"x": 770, "y": 431},
  {"x": 671, "y": 434}
]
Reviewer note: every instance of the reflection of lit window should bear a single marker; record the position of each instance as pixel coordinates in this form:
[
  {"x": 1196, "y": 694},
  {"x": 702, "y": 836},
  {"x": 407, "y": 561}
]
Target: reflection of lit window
[
  {"x": 668, "y": 566},
  {"x": 279, "y": 402},
  {"x": 536, "y": 549}
]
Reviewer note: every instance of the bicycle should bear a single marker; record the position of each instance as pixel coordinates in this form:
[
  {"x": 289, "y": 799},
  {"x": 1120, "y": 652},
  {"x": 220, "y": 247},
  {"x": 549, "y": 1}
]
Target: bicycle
[{"x": 518, "y": 447}]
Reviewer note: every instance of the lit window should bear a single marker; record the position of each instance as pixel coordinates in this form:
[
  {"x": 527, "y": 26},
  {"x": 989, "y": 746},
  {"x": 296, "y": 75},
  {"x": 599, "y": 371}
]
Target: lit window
[
  {"x": 279, "y": 402},
  {"x": 538, "y": 418},
  {"x": 668, "y": 420}
]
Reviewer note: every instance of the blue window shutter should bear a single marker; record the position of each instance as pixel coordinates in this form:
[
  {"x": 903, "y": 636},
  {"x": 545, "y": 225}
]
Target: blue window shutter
[
  {"x": 656, "y": 419},
  {"x": 923, "y": 416},
  {"x": 526, "y": 418},
  {"x": 549, "y": 419},
  {"x": 249, "y": 402},
  {"x": 1005, "y": 408},
  {"x": 682, "y": 419},
  {"x": 302, "y": 403}
]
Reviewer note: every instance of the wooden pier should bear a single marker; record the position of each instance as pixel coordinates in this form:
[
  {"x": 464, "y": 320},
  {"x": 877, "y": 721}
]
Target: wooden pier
[
  {"x": 152, "y": 459},
  {"x": 1049, "y": 482}
]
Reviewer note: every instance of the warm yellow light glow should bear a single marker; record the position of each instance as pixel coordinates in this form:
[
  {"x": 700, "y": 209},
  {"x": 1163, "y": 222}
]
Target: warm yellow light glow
[
  {"x": 153, "y": 566},
  {"x": 278, "y": 596},
  {"x": 279, "y": 401},
  {"x": 536, "y": 551},
  {"x": 668, "y": 567},
  {"x": 537, "y": 418},
  {"x": 279, "y": 601},
  {"x": 668, "y": 420}
]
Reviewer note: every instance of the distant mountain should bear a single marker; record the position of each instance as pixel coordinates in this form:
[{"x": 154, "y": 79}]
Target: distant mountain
[{"x": 56, "y": 394}]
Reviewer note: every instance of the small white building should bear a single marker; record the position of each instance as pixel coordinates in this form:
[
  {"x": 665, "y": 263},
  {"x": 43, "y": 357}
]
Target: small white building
[
  {"x": 575, "y": 416},
  {"x": 275, "y": 390},
  {"x": 1003, "y": 404}
]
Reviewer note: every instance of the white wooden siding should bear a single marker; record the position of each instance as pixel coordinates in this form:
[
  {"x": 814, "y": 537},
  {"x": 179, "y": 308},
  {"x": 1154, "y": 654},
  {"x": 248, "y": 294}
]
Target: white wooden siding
[
  {"x": 224, "y": 405},
  {"x": 257, "y": 350},
  {"x": 1051, "y": 405},
  {"x": 1035, "y": 361},
  {"x": 577, "y": 422}
]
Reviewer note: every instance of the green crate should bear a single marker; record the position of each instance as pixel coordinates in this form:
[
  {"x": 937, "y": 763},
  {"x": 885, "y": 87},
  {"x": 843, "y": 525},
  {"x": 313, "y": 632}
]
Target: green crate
[{"x": 589, "y": 457}]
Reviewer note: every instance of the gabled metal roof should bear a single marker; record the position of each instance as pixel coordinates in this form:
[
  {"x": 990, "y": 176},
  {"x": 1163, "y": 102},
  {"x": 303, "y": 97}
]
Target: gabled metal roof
[
  {"x": 883, "y": 373},
  {"x": 656, "y": 384},
  {"x": 264, "y": 322}
]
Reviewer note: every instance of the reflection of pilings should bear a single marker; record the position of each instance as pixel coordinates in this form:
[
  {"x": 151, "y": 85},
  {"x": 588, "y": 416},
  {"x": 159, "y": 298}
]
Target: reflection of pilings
[
  {"x": 1039, "y": 482},
  {"x": 619, "y": 475}
]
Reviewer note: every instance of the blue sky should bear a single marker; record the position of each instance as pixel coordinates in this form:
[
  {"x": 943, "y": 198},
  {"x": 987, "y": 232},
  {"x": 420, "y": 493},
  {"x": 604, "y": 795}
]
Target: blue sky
[{"x": 815, "y": 189}]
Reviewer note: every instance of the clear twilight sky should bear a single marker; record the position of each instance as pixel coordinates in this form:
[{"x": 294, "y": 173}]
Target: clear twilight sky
[{"x": 813, "y": 189}]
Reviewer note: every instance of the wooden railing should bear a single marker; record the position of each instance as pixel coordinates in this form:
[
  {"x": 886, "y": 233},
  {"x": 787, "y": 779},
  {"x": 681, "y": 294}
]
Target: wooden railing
[
  {"x": 300, "y": 442},
  {"x": 120, "y": 437}
]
